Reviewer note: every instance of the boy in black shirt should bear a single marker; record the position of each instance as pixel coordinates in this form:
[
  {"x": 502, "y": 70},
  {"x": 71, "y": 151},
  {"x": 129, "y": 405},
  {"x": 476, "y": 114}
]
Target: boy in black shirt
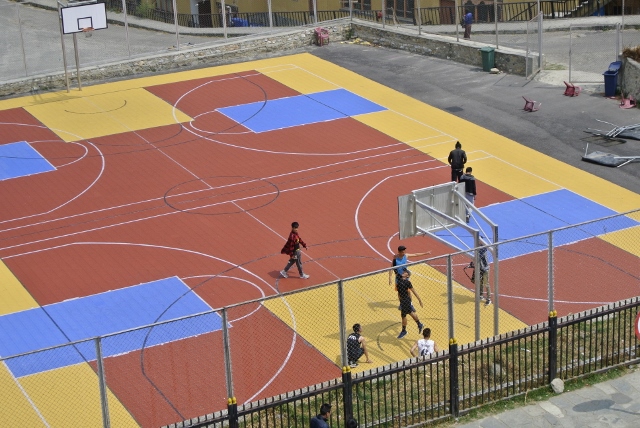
[{"x": 404, "y": 289}]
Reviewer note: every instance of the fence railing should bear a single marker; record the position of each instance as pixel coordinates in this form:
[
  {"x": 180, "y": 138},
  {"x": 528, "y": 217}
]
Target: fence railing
[
  {"x": 464, "y": 377},
  {"x": 147, "y": 364}
]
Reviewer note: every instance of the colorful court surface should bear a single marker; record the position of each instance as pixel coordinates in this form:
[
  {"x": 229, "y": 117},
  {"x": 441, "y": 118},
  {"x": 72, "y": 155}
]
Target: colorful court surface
[{"x": 161, "y": 198}]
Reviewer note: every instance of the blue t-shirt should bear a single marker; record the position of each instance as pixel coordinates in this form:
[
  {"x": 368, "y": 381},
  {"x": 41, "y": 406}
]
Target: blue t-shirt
[
  {"x": 468, "y": 19},
  {"x": 400, "y": 261}
]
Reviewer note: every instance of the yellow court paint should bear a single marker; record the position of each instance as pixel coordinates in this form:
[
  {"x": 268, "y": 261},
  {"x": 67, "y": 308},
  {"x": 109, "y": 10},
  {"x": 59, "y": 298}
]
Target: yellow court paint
[
  {"x": 405, "y": 129},
  {"x": 303, "y": 81},
  {"x": 627, "y": 239},
  {"x": 15, "y": 297},
  {"x": 371, "y": 302},
  {"x": 106, "y": 114},
  {"x": 16, "y": 410},
  {"x": 70, "y": 397}
]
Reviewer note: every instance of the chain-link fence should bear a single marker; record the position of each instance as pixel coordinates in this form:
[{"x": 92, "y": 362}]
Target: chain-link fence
[{"x": 171, "y": 369}]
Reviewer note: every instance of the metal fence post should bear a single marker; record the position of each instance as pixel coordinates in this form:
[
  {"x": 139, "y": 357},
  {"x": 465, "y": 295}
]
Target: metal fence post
[
  {"x": 496, "y": 284},
  {"x": 453, "y": 378},
  {"x": 550, "y": 272},
  {"x": 450, "y": 304},
  {"x": 478, "y": 278},
  {"x": 104, "y": 403},
  {"x": 553, "y": 345},
  {"x": 175, "y": 20},
  {"x": 342, "y": 321},
  {"x": 347, "y": 392},
  {"x": 419, "y": 19},
  {"x": 270, "y": 14},
  {"x": 232, "y": 406}
]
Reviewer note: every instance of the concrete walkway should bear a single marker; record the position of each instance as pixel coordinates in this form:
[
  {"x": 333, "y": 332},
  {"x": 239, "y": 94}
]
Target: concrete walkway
[{"x": 614, "y": 403}]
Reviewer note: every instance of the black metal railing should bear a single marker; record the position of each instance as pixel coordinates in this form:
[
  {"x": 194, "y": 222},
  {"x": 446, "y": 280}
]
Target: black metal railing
[{"x": 420, "y": 390}]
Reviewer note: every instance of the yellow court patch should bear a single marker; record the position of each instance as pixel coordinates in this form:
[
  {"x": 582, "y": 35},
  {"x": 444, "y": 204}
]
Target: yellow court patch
[
  {"x": 106, "y": 114},
  {"x": 405, "y": 129},
  {"x": 626, "y": 239},
  {"x": 16, "y": 410},
  {"x": 300, "y": 80},
  {"x": 70, "y": 397},
  {"x": 371, "y": 302},
  {"x": 15, "y": 297}
]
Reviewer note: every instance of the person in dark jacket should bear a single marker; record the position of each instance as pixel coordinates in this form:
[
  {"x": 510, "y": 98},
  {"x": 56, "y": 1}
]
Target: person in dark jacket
[
  {"x": 469, "y": 189},
  {"x": 320, "y": 421},
  {"x": 457, "y": 158},
  {"x": 357, "y": 346}
]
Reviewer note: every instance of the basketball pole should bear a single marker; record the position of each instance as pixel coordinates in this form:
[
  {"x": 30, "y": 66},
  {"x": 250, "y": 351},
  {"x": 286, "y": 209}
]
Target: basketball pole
[
  {"x": 77, "y": 57},
  {"x": 64, "y": 53}
]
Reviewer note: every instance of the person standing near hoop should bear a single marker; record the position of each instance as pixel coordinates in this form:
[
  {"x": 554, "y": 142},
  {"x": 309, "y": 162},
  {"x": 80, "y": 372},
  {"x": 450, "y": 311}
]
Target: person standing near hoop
[
  {"x": 457, "y": 158},
  {"x": 400, "y": 260}
]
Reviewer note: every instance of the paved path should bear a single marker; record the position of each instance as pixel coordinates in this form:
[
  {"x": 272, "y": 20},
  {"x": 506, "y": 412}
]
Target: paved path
[{"x": 614, "y": 403}]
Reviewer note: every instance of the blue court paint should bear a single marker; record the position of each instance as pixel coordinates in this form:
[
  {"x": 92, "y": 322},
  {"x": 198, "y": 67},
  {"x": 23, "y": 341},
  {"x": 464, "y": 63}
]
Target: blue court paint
[
  {"x": 99, "y": 315},
  {"x": 300, "y": 110},
  {"x": 537, "y": 214},
  {"x": 20, "y": 159}
]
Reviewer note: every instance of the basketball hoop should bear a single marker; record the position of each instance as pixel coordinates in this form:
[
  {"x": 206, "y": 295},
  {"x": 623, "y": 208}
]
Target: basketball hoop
[{"x": 88, "y": 31}]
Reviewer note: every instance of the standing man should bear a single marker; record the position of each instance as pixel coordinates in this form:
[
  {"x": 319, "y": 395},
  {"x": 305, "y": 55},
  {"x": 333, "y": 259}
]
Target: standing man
[
  {"x": 401, "y": 259},
  {"x": 404, "y": 289},
  {"x": 292, "y": 249},
  {"x": 457, "y": 158},
  {"x": 424, "y": 346},
  {"x": 469, "y": 189},
  {"x": 320, "y": 421},
  {"x": 468, "y": 20},
  {"x": 356, "y": 346}
]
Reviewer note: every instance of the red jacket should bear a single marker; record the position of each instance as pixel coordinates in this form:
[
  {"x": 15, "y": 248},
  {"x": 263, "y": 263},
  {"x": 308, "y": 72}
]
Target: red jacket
[{"x": 293, "y": 244}]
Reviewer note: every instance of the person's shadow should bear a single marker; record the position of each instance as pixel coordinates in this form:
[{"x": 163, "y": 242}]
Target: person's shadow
[{"x": 595, "y": 405}]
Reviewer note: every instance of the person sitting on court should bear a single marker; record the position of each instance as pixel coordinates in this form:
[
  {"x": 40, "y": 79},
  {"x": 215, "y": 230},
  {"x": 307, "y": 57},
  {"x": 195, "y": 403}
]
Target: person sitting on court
[
  {"x": 400, "y": 260},
  {"x": 404, "y": 288},
  {"x": 356, "y": 346},
  {"x": 424, "y": 346}
]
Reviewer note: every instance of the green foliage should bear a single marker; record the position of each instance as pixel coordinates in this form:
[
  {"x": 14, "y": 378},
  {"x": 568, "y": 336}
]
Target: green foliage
[{"x": 145, "y": 7}]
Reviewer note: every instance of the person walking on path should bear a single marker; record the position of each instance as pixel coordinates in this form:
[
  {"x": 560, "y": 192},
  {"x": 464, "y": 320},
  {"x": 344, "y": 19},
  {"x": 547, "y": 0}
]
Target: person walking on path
[
  {"x": 292, "y": 249},
  {"x": 469, "y": 189},
  {"x": 468, "y": 20},
  {"x": 457, "y": 158},
  {"x": 320, "y": 420},
  {"x": 424, "y": 346},
  {"x": 404, "y": 289},
  {"x": 400, "y": 260},
  {"x": 357, "y": 346}
]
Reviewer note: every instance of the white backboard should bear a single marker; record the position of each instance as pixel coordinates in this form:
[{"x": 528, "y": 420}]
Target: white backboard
[{"x": 75, "y": 18}]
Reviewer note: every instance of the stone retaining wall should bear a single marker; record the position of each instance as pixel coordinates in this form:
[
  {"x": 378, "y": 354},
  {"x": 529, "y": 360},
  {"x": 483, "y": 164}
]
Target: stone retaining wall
[
  {"x": 629, "y": 80},
  {"x": 508, "y": 60}
]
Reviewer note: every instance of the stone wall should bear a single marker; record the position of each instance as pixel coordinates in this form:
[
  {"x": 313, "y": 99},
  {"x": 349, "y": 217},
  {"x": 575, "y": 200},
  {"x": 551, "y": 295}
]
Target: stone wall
[
  {"x": 629, "y": 78},
  {"x": 508, "y": 60},
  {"x": 247, "y": 48}
]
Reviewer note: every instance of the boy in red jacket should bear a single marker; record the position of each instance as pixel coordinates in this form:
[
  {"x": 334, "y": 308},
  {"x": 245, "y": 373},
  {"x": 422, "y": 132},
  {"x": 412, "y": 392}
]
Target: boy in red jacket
[{"x": 292, "y": 249}]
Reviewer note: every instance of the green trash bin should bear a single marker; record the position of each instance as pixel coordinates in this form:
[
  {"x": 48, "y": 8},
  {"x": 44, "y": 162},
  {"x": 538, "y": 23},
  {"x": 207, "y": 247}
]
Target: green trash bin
[{"x": 488, "y": 57}]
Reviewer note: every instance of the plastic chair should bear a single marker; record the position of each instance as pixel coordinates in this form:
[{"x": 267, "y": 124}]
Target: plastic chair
[
  {"x": 530, "y": 105},
  {"x": 322, "y": 36},
  {"x": 572, "y": 90},
  {"x": 627, "y": 102}
]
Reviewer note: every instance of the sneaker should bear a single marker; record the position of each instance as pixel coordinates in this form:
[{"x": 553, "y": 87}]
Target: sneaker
[
  {"x": 353, "y": 364},
  {"x": 284, "y": 274},
  {"x": 420, "y": 327},
  {"x": 468, "y": 218},
  {"x": 488, "y": 302},
  {"x": 481, "y": 298},
  {"x": 402, "y": 334},
  {"x": 304, "y": 276}
]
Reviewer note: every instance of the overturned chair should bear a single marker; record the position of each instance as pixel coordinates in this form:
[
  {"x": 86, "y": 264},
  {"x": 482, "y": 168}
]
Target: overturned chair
[
  {"x": 628, "y": 102},
  {"x": 572, "y": 90},
  {"x": 530, "y": 105}
]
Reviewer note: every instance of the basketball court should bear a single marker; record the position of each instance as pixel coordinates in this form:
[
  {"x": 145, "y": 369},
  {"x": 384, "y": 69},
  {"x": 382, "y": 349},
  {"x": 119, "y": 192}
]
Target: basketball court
[{"x": 162, "y": 198}]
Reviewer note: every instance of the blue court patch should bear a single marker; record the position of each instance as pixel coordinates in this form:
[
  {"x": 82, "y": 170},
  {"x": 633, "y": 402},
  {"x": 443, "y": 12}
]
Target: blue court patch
[
  {"x": 537, "y": 214},
  {"x": 300, "y": 110},
  {"x": 99, "y": 315},
  {"x": 20, "y": 159}
]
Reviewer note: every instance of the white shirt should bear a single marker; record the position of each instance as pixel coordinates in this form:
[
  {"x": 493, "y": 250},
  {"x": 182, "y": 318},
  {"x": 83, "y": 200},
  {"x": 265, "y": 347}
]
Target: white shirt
[{"x": 425, "y": 346}]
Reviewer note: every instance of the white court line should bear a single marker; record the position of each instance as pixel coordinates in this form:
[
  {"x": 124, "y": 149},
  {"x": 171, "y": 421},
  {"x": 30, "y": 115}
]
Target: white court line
[{"x": 26, "y": 396}]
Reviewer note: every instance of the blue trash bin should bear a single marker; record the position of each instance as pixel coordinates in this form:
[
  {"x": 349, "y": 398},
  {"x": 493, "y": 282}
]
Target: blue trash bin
[{"x": 611, "y": 79}]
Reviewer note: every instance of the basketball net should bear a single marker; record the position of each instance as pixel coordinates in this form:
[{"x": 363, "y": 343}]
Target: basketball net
[{"x": 88, "y": 31}]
